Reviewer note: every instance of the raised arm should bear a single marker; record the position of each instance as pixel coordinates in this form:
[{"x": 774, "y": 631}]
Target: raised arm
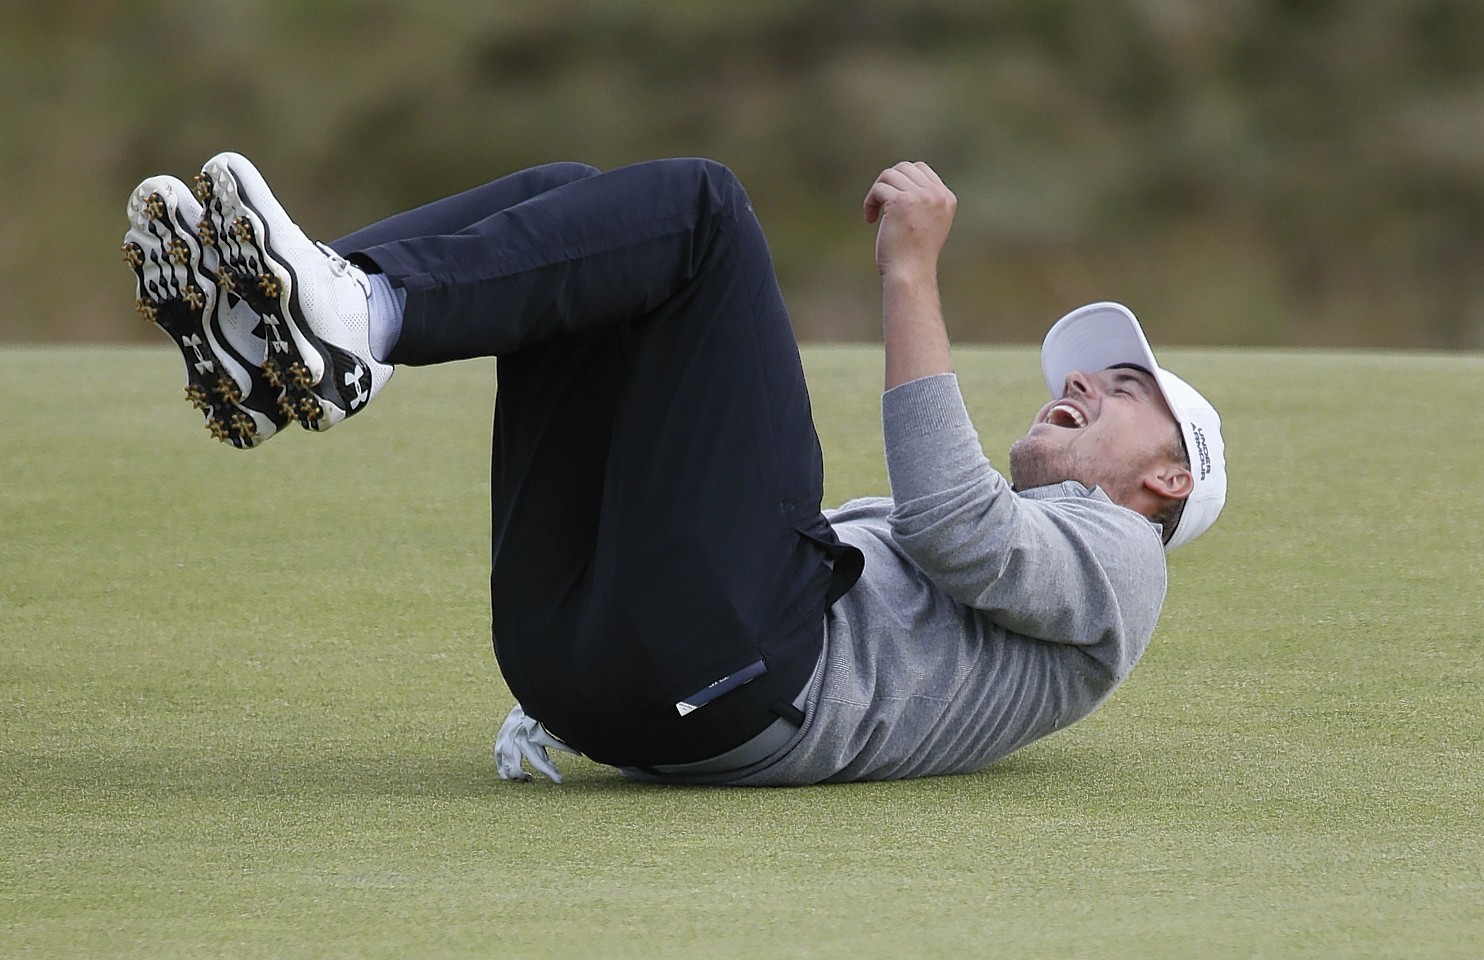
[{"x": 915, "y": 211}]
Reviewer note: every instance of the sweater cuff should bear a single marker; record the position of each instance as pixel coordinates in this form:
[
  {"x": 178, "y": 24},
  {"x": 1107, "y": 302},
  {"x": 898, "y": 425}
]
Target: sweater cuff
[
  {"x": 930, "y": 441},
  {"x": 924, "y": 405}
]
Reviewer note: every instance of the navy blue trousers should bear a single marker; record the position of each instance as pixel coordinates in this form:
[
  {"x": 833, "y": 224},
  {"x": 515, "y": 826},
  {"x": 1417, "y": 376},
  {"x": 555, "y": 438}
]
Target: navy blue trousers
[{"x": 656, "y": 476}]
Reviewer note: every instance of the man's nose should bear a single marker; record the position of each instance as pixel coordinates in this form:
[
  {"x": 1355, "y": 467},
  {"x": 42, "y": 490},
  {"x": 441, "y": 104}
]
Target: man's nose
[{"x": 1079, "y": 383}]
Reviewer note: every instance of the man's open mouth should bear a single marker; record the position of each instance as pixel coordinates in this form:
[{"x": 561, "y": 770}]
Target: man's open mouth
[{"x": 1066, "y": 415}]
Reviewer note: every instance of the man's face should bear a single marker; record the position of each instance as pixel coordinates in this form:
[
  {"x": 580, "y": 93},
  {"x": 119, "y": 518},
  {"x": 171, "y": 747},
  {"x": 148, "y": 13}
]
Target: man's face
[{"x": 1108, "y": 430}]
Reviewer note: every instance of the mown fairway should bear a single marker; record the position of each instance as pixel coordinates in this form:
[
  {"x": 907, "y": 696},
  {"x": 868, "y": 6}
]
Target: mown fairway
[{"x": 248, "y": 700}]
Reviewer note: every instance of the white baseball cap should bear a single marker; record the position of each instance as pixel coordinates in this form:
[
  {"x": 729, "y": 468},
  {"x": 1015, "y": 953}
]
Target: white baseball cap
[{"x": 1103, "y": 335}]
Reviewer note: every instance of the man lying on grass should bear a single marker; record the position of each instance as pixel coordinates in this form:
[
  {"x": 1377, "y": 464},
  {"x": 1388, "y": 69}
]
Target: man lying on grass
[{"x": 668, "y": 597}]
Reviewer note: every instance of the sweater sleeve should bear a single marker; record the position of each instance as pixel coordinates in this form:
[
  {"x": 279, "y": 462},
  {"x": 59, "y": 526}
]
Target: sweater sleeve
[{"x": 1074, "y": 569}]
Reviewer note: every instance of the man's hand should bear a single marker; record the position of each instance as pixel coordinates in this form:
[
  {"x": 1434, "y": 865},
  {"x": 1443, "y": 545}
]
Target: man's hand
[
  {"x": 523, "y": 738},
  {"x": 916, "y": 212}
]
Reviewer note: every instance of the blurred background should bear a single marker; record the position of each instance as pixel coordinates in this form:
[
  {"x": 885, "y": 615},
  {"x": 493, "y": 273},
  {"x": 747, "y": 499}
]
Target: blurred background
[{"x": 1245, "y": 172}]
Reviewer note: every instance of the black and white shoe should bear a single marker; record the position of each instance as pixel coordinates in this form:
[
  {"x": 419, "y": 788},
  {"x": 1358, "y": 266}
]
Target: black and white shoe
[
  {"x": 176, "y": 290},
  {"x": 314, "y": 304}
]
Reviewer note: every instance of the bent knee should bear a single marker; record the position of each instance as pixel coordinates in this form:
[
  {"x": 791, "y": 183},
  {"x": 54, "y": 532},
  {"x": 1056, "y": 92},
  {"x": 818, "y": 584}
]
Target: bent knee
[{"x": 565, "y": 171}]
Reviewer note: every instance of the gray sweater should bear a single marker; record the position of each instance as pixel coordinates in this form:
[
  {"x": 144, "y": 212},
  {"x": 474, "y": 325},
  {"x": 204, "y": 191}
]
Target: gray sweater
[{"x": 984, "y": 619}]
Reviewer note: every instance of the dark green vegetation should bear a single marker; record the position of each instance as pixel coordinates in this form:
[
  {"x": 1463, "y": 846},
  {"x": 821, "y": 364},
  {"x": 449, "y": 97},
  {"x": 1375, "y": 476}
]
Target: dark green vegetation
[
  {"x": 248, "y": 700},
  {"x": 1286, "y": 172}
]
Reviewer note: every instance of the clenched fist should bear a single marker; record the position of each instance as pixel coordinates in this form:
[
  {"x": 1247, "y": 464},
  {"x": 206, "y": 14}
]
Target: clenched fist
[{"x": 916, "y": 212}]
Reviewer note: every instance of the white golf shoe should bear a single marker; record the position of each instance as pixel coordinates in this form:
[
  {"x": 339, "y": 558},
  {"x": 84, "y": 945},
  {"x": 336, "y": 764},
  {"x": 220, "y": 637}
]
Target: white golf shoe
[
  {"x": 313, "y": 303},
  {"x": 176, "y": 289}
]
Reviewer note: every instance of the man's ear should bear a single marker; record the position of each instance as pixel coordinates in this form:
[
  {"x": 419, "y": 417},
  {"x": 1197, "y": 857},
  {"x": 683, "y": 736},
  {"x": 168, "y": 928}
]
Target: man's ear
[{"x": 1169, "y": 480}]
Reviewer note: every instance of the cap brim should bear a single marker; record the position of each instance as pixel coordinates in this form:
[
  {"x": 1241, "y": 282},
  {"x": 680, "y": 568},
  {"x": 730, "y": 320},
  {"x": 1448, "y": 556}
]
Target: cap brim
[{"x": 1094, "y": 337}]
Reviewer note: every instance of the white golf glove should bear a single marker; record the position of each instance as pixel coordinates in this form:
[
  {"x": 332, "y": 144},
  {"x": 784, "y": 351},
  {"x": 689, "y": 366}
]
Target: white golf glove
[{"x": 524, "y": 738}]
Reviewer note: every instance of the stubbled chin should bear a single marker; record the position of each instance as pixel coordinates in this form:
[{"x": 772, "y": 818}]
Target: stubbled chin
[
  {"x": 1035, "y": 463},
  {"x": 1042, "y": 459}
]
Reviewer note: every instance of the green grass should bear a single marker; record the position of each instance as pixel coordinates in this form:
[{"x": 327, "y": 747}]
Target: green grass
[{"x": 248, "y": 697}]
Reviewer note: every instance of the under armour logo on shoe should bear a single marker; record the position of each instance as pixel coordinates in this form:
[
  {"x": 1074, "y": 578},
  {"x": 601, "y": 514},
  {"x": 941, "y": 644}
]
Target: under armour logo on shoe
[
  {"x": 276, "y": 341},
  {"x": 353, "y": 379},
  {"x": 202, "y": 364}
]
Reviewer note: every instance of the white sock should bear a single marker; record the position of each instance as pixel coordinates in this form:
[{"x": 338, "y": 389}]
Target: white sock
[{"x": 386, "y": 306}]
